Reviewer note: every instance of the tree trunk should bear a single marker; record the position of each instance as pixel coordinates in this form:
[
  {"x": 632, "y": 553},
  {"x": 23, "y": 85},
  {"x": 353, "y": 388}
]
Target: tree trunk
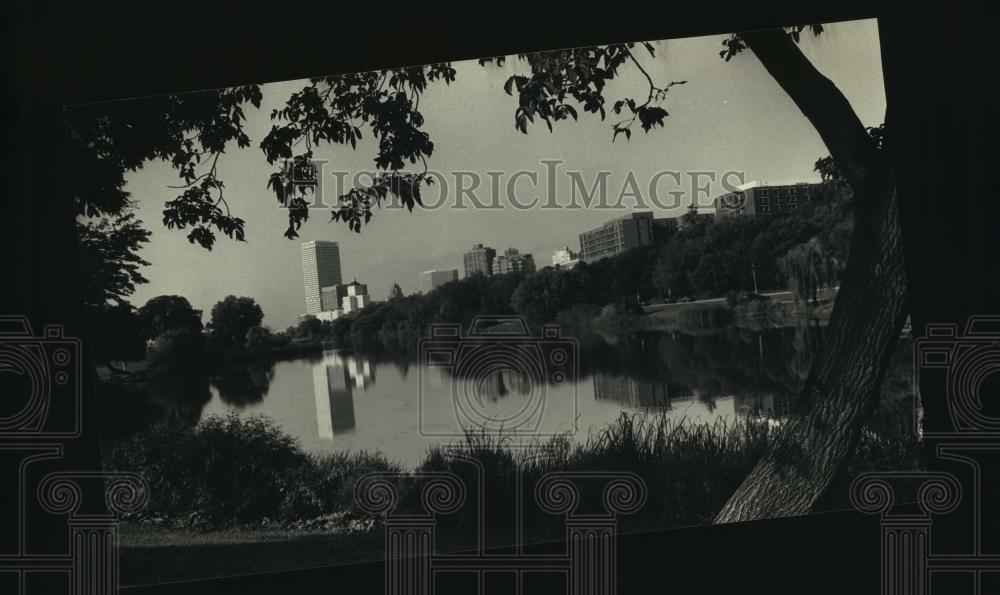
[{"x": 842, "y": 389}]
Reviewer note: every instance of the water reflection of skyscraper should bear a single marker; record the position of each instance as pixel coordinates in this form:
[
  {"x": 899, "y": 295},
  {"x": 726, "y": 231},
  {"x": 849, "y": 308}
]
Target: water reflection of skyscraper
[{"x": 334, "y": 378}]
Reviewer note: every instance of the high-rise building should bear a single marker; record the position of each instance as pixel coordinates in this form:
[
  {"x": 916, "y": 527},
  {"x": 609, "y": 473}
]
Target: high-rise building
[
  {"x": 512, "y": 261},
  {"x": 429, "y": 280},
  {"x": 565, "y": 258},
  {"x": 320, "y": 268},
  {"x": 764, "y": 198},
  {"x": 479, "y": 260},
  {"x": 616, "y": 236}
]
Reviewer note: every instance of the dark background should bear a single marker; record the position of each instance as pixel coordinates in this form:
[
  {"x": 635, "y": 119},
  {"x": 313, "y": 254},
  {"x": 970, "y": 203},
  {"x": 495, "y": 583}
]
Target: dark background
[{"x": 940, "y": 63}]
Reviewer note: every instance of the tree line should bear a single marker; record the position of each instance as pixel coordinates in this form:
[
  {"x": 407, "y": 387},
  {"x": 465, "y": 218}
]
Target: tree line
[{"x": 702, "y": 257}]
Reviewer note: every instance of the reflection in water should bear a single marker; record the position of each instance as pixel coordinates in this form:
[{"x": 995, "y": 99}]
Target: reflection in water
[
  {"x": 767, "y": 406},
  {"x": 181, "y": 396},
  {"x": 334, "y": 379},
  {"x": 635, "y": 394},
  {"x": 698, "y": 378},
  {"x": 496, "y": 384},
  {"x": 242, "y": 385}
]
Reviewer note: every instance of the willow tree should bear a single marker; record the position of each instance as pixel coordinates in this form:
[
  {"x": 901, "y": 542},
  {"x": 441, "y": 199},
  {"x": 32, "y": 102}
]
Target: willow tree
[
  {"x": 809, "y": 267},
  {"x": 192, "y": 131}
]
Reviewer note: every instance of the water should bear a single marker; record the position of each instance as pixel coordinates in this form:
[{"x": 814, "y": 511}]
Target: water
[{"x": 405, "y": 403}]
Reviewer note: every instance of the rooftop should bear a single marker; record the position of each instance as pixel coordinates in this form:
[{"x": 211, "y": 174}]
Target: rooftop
[{"x": 778, "y": 182}]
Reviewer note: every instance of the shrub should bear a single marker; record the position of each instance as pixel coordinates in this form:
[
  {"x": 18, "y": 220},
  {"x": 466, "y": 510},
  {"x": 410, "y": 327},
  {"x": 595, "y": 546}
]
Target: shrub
[
  {"x": 262, "y": 339},
  {"x": 238, "y": 471},
  {"x": 245, "y": 471},
  {"x": 223, "y": 471}
]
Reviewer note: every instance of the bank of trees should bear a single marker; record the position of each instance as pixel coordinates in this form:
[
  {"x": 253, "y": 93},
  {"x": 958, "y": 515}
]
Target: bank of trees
[{"x": 705, "y": 258}]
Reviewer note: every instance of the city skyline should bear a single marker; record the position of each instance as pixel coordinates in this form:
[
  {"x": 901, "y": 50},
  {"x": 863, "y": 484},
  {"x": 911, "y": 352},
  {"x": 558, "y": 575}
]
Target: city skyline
[{"x": 728, "y": 117}]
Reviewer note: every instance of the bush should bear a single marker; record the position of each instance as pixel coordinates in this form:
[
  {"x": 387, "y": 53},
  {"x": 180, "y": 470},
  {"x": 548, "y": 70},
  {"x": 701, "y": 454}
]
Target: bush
[
  {"x": 262, "y": 339},
  {"x": 223, "y": 471},
  {"x": 236, "y": 470},
  {"x": 245, "y": 471},
  {"x": 182, "y": 349}
]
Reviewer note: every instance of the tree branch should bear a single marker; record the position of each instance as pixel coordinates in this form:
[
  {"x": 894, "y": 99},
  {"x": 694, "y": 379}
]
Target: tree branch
[{"x": 820, "y": 100}]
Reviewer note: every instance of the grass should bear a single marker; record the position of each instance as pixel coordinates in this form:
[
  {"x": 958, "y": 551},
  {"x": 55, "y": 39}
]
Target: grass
[
  {"x": 235, "y": 495},
  {"x": 151, "y": 555},
  {"x": 243, "y": 474}
]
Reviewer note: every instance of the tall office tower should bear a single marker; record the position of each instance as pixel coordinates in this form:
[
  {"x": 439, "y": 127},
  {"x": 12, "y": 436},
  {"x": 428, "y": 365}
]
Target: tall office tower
[
  {"x": 320, "y": 268},
  {"x": 479, "y": 260}
]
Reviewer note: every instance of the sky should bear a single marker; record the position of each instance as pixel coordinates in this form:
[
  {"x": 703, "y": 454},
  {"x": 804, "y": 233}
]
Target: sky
[{"x": 729, "y": 116}]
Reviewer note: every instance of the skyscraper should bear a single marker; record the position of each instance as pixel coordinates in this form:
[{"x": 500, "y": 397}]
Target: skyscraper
[
  {"x": 320, "y": 268},
  {"x": 479, "y": 260}
]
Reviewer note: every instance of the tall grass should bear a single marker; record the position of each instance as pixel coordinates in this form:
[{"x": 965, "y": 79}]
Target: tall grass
[{"x": 246, "y": 472}]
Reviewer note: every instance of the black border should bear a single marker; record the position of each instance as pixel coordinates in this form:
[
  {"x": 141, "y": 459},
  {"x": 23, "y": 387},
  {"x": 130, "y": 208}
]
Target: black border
[{"x": 939, "y": 61}]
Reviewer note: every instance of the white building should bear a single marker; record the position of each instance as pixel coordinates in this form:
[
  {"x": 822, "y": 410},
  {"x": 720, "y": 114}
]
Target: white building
[
  {"x": 356, "y": 297},
  {"x": 565, "y": 258}
]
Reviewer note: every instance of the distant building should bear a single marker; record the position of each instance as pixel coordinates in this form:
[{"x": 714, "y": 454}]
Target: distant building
[
  {"x": 616, "y": 236},
  {"x": 512, "y": 261},
  {"x": 429, "y": 280},
  {"x": 356, "y": 297},
  {"x": 762, "y": 198},
  {"x": 479, "y": 260},
  {"x": 320, "y": 268},
  {"x": 330, "y": 298},
  {"x": 328, "y": 315},
  {"x": 565, "y": 258}
]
